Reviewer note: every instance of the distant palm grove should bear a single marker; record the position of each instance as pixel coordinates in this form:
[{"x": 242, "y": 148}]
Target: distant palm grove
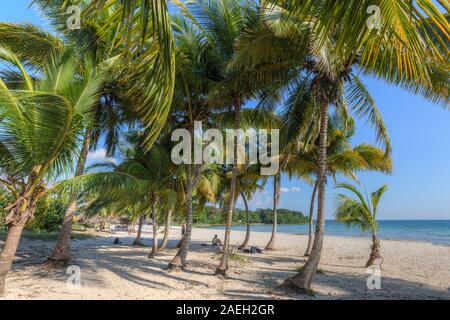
[{"x": 133, "y": 71}]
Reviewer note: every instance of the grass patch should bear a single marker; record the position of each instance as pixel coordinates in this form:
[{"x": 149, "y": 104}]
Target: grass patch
[
  {"x": 78, "y": 227},
  {"x": 238, "y": 258},
  {"x": 318, "y": 271},
  {"x": 49, "y": 236}
]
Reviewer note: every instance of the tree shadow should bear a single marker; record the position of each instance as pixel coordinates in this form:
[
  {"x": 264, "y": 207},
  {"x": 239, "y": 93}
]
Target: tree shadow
[
  {"x": 342, "y": 286},
  {"x": 131, "y": 263}
]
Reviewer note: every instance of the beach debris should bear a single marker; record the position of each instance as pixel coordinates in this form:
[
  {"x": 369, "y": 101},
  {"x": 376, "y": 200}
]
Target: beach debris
[{"x": 253, "y": 250}]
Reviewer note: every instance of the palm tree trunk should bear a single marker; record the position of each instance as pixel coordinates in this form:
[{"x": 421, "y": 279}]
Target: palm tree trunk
[
  {"x": 375, "y": 253},
  {"x": 304, "y": 279},
  {"x": 276, "y": 199},
  {"x": 138, "y": 240},
  {"x": 16, "y": 223},
  {"x": 155, "y": 231},
  {"x": 8, "y": 253},
  {"x": 61, "y": 252},
  {"x": 223, "y": 266},
  {"x": 179, "y": 261},
  {"x": 311, "y": 221},
  {"x": 166, "y": 231},
  {"x": 132, "y": 228},
  {"x": 244, "y": 245}
]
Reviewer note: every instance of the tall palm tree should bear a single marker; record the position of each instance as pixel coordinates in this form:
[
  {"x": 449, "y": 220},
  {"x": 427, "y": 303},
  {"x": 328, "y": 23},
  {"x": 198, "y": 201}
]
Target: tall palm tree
[
  {"x": 342, "y": 158},
  {"x": 142, "y": 29},
  {"x": 276, "y": 202},
  {"x": 333, "y": 41},
  {"x": 24, "y": 39},
  {"x": 361, "y": 212},
  {"x": 133, "y": 84},
  {"x": 220, "y": 24},
  {"x": 40, "y": 125},
  {"x": 190, "y": 104}
]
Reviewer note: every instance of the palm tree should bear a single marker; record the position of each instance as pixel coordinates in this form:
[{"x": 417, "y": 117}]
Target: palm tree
[
  {"x": 361, "y": 212},
  {"x": 138, "y": 240},
  {"x": 153, "y": 174},
  {"x": 220, "y": 24},
  {"x": 276, "y": 201},
  {"x": 172, "y": 201},
  {"x": 142, "y": 30},
  {"x": 24, "y": 39},
  {"x": 342, "y": 158},
  {"x": 333, "y": 41},
  {"x": 247, "y": 184},
  {"x": 40, "y": 125},
  {"x": 145, "y": 182},
  {"x": 190, "y": 104},
  {"x": 124, "y": 88}
]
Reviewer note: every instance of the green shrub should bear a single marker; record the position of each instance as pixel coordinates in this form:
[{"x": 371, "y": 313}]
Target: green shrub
[
  {"x": 5, "y": 200},
  {"x": 49, "y": 216}
]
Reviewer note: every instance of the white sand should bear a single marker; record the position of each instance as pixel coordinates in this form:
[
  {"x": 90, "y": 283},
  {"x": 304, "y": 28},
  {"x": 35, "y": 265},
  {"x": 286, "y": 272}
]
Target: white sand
[{"x": 411, "y": 270}]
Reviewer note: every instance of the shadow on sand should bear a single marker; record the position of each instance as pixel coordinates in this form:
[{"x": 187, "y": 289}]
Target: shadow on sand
[{"x": 94, "y": 254}]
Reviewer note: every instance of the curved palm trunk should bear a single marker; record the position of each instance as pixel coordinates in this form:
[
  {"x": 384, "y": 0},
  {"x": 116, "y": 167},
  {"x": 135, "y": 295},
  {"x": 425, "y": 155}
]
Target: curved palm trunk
[
  {"x": 247, "y": 234},
  {"x": 132, "y": 228},
  {"x": 138, "y": 240},
  {"x": 16, "y": 221},
  {"x": 9, "y": 252},
  {"x": 155, "y": 232},
  {"x": 276, "y": 199},
  {"x": 179, "y": 261},
  {"x": 166, "y": 231},
  {"x": 61, "y": 252},
  {"x": 223, "y": 266},
  {"x": 311, "y": 221},
  {"x": 304, "y": 279},
  {"x": 375, "y": 253}
]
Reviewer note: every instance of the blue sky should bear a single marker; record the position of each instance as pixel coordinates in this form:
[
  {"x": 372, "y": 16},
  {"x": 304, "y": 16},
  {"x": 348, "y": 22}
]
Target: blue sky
[{"x": 419, "y": 187}]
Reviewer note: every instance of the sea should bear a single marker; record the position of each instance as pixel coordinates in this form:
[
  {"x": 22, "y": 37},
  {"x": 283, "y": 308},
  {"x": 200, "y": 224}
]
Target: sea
[{"x": 434, "y": 231}]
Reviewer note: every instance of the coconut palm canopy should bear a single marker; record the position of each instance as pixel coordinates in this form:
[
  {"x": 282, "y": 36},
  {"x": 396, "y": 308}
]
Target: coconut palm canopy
[{"x": 129, "y": 74}]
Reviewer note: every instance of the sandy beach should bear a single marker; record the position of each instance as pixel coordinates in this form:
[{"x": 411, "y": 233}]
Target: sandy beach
[{"x": 411, "y": 270}]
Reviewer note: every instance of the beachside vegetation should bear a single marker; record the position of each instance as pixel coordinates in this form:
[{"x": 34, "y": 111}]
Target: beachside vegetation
[{"x": 361, "y": 210}]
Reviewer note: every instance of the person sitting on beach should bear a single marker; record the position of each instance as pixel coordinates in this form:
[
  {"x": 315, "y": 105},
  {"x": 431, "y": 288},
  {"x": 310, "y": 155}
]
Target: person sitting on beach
[{"x": 216, "y": 242}]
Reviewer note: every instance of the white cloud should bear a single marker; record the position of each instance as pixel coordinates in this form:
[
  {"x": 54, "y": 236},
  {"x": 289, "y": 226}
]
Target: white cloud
[
  {"x": 284, "y": 190},
  {"x": 260, "y": 199},
  {"x": 99, "y": 156},
  {"x": 295, "y": 189}
]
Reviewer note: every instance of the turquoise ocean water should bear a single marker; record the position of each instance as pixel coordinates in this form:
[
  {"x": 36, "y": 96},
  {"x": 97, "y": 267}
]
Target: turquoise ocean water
[{"x": 435, "y": 231}]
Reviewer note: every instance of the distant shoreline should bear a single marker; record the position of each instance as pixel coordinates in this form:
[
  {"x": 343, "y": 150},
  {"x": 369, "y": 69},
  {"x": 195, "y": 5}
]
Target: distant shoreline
[{"x": 430, "y": 231}]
